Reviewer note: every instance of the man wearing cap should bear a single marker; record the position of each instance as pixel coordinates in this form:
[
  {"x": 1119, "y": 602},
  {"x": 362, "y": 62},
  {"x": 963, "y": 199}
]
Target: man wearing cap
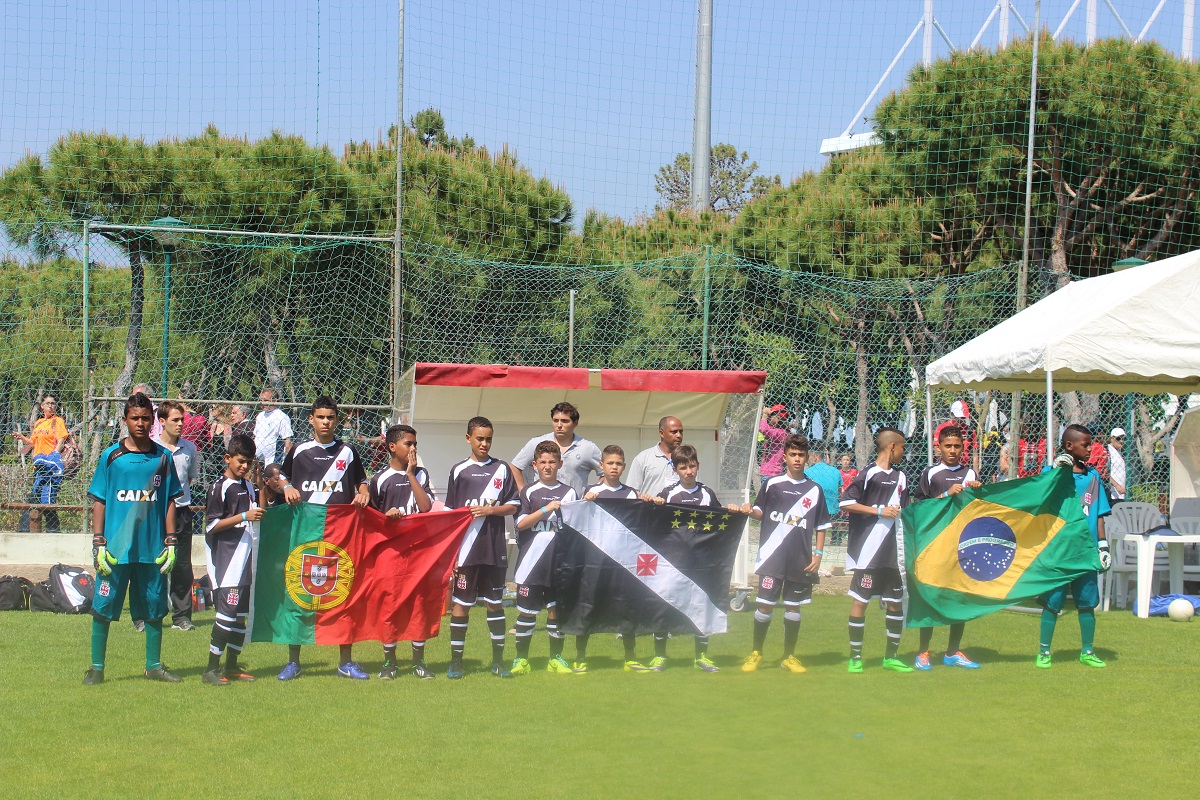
[
  {"x": 961, "y": 419},
  {"x": 1116, "y": 463},
  {"x": 772, "y": 433}
]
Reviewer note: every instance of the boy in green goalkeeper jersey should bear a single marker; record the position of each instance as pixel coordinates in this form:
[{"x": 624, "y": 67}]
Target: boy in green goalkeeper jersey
[{"x": 133, "y": 537}]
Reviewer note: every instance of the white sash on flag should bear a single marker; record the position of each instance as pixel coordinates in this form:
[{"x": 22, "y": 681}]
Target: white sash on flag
[
  {"x": 783, "y": 530},
  {"x": 492, "y": 492}
]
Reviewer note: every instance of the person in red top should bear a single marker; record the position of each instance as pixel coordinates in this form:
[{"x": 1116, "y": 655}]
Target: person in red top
[
  {"x": 846, "y": 467},
  {"x": 1030, "y": 457},
  {"x": 772, "y": 432}
]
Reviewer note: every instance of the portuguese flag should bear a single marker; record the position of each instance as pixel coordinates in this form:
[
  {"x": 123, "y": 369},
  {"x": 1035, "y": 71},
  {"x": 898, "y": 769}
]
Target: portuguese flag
[
  {"x": 338, "y": 574},
  {"x": 989, "y": 548}
]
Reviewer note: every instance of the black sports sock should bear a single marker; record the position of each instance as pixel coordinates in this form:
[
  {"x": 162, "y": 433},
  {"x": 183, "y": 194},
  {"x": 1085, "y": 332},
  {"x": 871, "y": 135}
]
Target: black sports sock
[
  {"x": 762, "y": 624},
  {"x": 956, "y": 632},
  {"x": 791, "y": 632},
  {"x": 214, "y": 660},
  {"x": 345, "y": 654},
  {"x": 524, "y": 635},
  {"x": 556, "y": 638},
  {"x": 857, "y": 626},
  {"x": 418, "y": 650},
  {"x": 496, "y": 624},
  {"x": 629, "y": 639},
  {"x": 581, "y": 643},
  {"x": 926, "y": 638},
  {"x": 660, "y": 645},
  {"x": 458, "y": 637},
  {"x": 389, "y": 652},
  {"x": 895, "y": 627},
  {"x": 294, "y": 653},
  {"x": 701, "y": 645}
]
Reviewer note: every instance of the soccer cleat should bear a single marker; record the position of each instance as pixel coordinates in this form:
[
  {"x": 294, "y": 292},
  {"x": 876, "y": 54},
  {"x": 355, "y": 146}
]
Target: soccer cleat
[
  {"x": 856, "y": 665},
  {"x": 352, "y": 669},
  {"x": 637, "y": 666},
  {"x": 455, "y": 672},
  {"x": 657, "y": 664},
  {"x": 161, "y": 673},
  {"x": 214, "y": 677},
  {"x": 1043, "y": 661},
  {"x": 1090, "y": 659},
  {"x": 959, "y": 660},
  {"x": 559, "y": 666},
  {"x": 520, "y": 666},
  {"x": 750, "y": 663},
  {"x": 184, "y": 624},
  {"x": 421, "y": 671},
  {"x": 139, "y": 625},
  {"x": 499, "y": 670},
  {"x": 896, "y": 665},
  {"x": 705, "y": 664},
  {"x": 579, "y": 667},
  {"x": 922, "y": 662},
  {"x": 389, "y": 671},
  {"x": 93, "y": 676},
  {"x": 239, "y": 674},
  {"x": 792, "y": 664},
  {"x": 290, "y": 671}
]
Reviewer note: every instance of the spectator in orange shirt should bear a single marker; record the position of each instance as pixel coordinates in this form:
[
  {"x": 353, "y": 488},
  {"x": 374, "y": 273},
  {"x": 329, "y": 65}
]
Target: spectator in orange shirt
[{"x": 47, "y": 437}]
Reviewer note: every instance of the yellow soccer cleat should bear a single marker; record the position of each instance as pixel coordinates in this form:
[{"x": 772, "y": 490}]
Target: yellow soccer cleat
[
  {"x": 751, "y": 662},
  {"x": 792, "y": 664}
]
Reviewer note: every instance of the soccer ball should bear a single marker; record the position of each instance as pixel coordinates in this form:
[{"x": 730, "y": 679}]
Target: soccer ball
[{"x": 1181, "y": 610}]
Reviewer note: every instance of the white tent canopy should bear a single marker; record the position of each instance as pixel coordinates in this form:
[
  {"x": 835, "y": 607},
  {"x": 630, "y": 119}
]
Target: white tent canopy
[
  {"x": 1131, "y": 331},
  {"x": 1185, "y": 466}
]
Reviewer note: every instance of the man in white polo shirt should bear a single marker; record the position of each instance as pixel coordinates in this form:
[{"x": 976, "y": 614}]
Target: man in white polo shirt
[
  {"x": 580, "y": 457},
  {"x": 652, "y": 470},
  {"x": 1116, "y": 463},
  {"x": 272, "y": 426}
]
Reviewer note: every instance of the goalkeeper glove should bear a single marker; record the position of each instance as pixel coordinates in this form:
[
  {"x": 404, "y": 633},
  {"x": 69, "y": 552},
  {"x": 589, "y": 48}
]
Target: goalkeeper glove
[
  {"x": 1105, "y": 556},
  {"x": 101, "y": 557},
  {"x": 1065, "y": 460},
  {"x": 166, "y": 559}
]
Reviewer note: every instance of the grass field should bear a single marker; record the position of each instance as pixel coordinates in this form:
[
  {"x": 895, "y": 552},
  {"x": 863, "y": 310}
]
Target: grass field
[{"x": 1006, "y": 730}]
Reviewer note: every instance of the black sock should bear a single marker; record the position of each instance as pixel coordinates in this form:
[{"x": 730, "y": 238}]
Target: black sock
[
  {"x": 496, "y": 624},
  {"x": 418, "y": 649},
  {"x": 956, "y": 632},
  {"x": 926, "y": 638},
  {"x": 524, "y": 635},
  {"x": 294, "y": 653},
  {"x": 214, "y": 660},
  {"x": 791, "y": 631},
  {"x": 629, "y": 639},
  {"x": 660, "y": 645},
  {"x": 581, "y": 643},
  {"x": 220, "y": 636},
  {"x": 701, "y": 645},
  {"x": 857, "y": 626},
  {"x": 895, "y": 627},
  {"x": 389, "y": 652},
  {"x": 762, "y": 623},
  {"x": 458, "y": 637},
  {"x": 556, "y": 638},
  {"x": 345, "y": 654}
]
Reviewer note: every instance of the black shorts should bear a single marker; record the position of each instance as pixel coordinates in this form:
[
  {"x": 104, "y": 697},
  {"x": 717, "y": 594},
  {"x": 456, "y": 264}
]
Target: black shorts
[
  {"x": 232, "y": 601},
  {"x": 532, "y": 599},
  {"x": 884, "y": 583},
  {"x": 477, "y": 582},
  {"x": 794, "y": 593}
]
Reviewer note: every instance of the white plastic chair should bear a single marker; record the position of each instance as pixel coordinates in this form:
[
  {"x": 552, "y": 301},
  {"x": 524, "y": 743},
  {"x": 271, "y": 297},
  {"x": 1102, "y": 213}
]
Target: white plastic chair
[
  {"x": 1188, "y": 526},
  {"x": 1134, "y": 517},
  {"x": 1128, "y": 520}
]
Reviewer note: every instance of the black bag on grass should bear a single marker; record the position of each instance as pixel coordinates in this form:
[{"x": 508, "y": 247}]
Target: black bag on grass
[
  {"x": 14, "y": 593},
  {"x": 72, "y": 589},
  {"x": 41, "y": 598}
]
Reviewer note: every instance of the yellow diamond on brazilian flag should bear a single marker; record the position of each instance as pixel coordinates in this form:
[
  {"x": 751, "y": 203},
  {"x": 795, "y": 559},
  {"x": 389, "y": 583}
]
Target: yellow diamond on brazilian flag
[{"x": 989, "y": 548}]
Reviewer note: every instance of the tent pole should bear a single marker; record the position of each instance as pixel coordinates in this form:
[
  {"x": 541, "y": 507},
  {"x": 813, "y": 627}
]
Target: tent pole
[
  {"x": 929, "y": 420},
  {"x": 1049, "y": 416}
]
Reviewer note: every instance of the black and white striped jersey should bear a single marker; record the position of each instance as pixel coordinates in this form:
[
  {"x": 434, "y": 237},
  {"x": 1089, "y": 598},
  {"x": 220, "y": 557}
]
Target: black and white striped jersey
[
  {"x": 935, "y": 480},
  {"x": 487, "y": 483},
  {"x": 391, "y": 489},
  {"x": 871, "y": 542},
  {"x": 325, "y": 474},
  {"x": 535, "y": 562},
  {"x": 792, "y": 512},
  {"x": 228, "y": 552},
  {"x": 698, "y": 495},
  {"x": 621, "y": 492}
]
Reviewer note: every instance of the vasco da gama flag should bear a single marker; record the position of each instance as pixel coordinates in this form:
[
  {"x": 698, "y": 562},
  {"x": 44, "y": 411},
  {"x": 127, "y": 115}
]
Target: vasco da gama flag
[
  {"x": 338, "y": 575},
  {"x": 627, "y": 565},
  {"x": 988, "y": 548}
]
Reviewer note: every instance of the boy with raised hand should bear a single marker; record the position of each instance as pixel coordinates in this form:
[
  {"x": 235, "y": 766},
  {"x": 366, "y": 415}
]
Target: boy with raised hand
[
  {"x": 230, "y": 508},
  {"x": 399, "y": 490},
  {"x": 133, "y": 537},
  {"x": 687, "y": 491},
  {"x": 612, "y": 466},
  {"x": 794, "y": 509},
  {"x": 874, "y": 500},
  {"x": 1089, "y": 486},
  {"x": 324, "y": 471},
  {"x": 943, "y": 480},
  {"x": 538, "y": 521},
  {"x": 487, "y": 487},
  {"x": 187, "y": 468}
]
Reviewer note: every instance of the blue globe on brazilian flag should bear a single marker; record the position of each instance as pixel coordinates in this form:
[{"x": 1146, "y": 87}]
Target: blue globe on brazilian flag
[{"x": 989, "y": 548}]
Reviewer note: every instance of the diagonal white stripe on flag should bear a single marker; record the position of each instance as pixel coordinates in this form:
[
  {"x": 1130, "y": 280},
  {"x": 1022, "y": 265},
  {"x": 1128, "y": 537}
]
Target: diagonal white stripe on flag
[{"x": 623, "y": 546}]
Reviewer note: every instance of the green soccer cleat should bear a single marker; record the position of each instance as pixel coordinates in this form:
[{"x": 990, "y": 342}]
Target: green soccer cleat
[
  {"x": 856, "y": 666},
  {"x": 161, "y": 673},
  {"x": 657, "y": 664},
  {"x": 579, "y": 668},
  {"x": 1090, "y": 659},
  {"x": 389, "y": 671},
  {"x": 896, "y": 665},
  {"x": 637, "y": 666},
  {"x": 214, "y": 677},
  {"x": 705, "y": 664},
  {"x": 559, "y": 666},
  {"x": 520, "y": 666},
  {"x": 93, "y": 676},
  {"x": 1043, "y": 661}
]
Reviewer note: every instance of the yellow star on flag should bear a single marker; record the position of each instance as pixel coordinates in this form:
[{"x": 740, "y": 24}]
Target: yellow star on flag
[{"x": 708, "y": 526}]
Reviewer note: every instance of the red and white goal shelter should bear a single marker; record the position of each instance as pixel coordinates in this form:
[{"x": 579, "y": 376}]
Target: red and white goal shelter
[{"x": 719, "y": 411}]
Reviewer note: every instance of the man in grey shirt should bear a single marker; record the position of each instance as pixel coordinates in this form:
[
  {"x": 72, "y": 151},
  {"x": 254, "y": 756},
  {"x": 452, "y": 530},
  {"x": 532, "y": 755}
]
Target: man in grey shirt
[
  {"x": 580, "y": 457},
  {"x": 651, "y": 470},
  {"x": 187, "y": 467}
]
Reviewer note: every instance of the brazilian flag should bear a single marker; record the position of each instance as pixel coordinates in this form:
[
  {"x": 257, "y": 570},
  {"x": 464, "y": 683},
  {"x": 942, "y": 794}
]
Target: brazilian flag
[{"x": 988, "y": 548}]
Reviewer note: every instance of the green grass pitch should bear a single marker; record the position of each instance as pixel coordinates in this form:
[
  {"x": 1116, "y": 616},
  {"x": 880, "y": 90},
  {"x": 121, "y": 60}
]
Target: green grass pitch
[{"x": 1006, "y": 730}]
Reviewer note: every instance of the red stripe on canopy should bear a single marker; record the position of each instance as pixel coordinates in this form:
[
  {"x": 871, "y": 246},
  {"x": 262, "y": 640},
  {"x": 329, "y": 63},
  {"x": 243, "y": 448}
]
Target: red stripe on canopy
[
  {"x": 691, "y": 380},
  {"x": 501, "y": 376}
]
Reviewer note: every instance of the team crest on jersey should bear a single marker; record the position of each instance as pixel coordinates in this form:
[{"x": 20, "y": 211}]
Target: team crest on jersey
[
  {"x": 232, "y": 596},
  {"x": 647, "y": 565},
  {"x": 157, "y": 479},
  {"x": 807, "y": 502},
  {"x": 104, "y": 589},
  {"x": 340, "y": 464},
  {"x": 768, "y": 582},
  {"x": 461, "y": 583},
  {"x": 524, "y": 591},
  {"x": 319, "y": 576},
  {"x": 497, "y": 483},
  {"x": 866, "y": 581},
  {"x": 1087, "y": 498}
]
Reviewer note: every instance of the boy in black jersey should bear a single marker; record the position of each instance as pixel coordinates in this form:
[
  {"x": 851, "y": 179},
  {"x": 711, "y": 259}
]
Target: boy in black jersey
[
  {"x": 940, "y": 481},
  {"x": 537, "y": 522},
  {"x": 229, "y": 509},
  {"x": 486, "y": 486},
  {"x": 687, "y": 491},
  {"x": 401, "y": 489},
  {"x": 325, "y": 471},
  {"x": 874, "y": 500},
  {"x": 792, "y": 508}
]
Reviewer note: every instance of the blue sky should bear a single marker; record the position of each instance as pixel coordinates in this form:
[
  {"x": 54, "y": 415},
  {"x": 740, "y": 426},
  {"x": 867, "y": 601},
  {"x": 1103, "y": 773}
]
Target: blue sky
[{"x": 595, "y": 96}]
